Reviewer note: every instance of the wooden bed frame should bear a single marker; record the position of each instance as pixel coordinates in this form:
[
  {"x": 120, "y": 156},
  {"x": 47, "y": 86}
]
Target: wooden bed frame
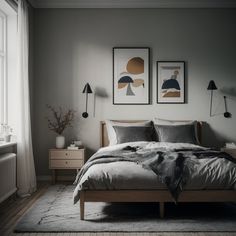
[{"x": 160, "y": 196}]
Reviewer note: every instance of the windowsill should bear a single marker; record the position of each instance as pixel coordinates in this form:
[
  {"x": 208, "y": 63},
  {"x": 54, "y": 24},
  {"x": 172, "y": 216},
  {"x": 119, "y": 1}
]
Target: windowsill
[{"x": 6, "y": 144}]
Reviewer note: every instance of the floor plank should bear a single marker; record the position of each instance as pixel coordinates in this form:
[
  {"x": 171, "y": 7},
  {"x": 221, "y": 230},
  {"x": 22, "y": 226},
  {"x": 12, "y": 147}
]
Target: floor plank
[{"x": 14, "y": 208}]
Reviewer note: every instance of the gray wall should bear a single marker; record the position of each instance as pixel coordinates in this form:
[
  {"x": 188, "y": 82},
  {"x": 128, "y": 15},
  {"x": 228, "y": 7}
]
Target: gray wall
[{"x": 72, "y": 47}]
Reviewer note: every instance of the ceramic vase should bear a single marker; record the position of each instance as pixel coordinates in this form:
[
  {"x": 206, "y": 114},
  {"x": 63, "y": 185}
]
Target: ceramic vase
[{"x": 60, "y": 141}]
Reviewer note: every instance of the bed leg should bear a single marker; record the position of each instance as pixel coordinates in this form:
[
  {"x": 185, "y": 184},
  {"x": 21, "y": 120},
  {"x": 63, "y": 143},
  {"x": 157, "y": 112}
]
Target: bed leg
[
  {"x": 162, "y": 209},
  {"x": 81, "y": 205}
]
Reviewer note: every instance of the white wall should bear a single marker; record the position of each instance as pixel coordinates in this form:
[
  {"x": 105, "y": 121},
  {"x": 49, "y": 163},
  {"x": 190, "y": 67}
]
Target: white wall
[{"x": 74, "y": 46}]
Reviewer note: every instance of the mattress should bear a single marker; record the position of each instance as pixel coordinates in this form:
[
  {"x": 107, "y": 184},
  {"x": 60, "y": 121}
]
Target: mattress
[
  {"x": 204, "y": 174},
  {"x": 130, "y": 176}
]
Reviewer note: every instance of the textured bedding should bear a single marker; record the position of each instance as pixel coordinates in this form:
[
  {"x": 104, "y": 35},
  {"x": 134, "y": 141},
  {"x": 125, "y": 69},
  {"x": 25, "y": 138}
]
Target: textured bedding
[{"x": 157, "y": 165}]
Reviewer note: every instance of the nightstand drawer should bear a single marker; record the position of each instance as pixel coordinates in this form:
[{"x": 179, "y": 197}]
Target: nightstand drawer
[
  {"x": 64, "y": 159},
  {"x": 75, "y": 164},
  {"x": 231, "y": 151},
  {"x": 63, "y": 154}
]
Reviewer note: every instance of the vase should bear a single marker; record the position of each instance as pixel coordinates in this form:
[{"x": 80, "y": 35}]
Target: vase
[
  {"x": 60, "y": 141},
  {"x": 7, "y": 138}
]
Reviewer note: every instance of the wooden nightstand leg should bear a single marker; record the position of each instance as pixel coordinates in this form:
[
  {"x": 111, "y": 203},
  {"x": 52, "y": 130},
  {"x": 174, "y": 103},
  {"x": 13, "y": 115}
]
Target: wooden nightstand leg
[
  {"x": 162, "y": 209},
  {"x": 82, "y": 205},
  {"x": 53, "y": 176}
]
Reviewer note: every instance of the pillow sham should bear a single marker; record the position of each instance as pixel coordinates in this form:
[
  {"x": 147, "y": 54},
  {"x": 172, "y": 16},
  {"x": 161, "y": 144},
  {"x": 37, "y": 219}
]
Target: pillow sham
[
  {"x": 133, "y": 133},
  {"x": 176, "y": 133},
  {"x": 112, "y": 134},
  {"x": 159, "y": 121}
]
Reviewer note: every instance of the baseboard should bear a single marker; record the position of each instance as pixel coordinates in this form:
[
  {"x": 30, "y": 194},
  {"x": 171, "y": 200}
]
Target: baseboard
[
  {"x": 8, "y": 195},
  {"x": 59, "y": 178},
  {"x": 44, "y": 177}
]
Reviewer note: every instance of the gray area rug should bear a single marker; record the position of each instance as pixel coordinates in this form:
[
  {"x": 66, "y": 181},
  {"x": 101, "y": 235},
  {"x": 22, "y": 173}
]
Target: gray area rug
[{"x": 54, "y": 212}]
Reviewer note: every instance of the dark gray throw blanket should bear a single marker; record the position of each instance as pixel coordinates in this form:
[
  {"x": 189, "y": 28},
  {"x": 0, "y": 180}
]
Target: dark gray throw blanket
[{"x": 169, "y": 165}]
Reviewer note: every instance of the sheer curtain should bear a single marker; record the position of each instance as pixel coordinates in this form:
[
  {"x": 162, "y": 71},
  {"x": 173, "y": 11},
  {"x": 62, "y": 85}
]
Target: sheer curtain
[{"x": 26, "y": 179}]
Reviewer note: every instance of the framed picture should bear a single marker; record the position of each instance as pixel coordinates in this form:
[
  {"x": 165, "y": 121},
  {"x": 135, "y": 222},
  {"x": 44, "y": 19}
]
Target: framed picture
[
  {"x": 170, "y": 82},
  {"x": 131, "y": 82}
]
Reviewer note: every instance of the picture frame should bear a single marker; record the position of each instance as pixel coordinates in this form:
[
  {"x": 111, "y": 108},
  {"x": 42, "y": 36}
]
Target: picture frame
[
  {"x": 131, "y": 75},
  {"x": 171, "y": 82}
]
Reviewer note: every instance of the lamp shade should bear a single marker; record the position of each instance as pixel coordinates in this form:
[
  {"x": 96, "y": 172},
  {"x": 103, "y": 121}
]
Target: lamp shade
[
  {"x": 87, "y": 89},
  {"x": 212, "y": 85}
]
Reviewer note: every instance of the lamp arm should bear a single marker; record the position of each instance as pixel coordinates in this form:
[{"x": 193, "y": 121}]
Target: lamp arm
[
  {"x": 225, "y": 104},
  {"x": 211, "y": 103},
  {"x": 86, "y": 102},
  {"x": 226, "y": 113}
]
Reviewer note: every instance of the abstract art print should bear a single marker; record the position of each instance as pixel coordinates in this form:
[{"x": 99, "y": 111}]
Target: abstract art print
[
  {"x": 170, "y": 82},
  {"x": 131, "y": 76}
]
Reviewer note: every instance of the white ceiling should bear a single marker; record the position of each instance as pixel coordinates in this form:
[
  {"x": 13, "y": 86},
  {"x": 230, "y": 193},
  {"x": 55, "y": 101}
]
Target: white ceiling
[{"x": 133, "y": 3}]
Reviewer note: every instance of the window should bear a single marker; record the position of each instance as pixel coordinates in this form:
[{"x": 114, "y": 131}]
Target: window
[
  {"x": 3, "y": 66},
  {"x": 8, "y": 64}
]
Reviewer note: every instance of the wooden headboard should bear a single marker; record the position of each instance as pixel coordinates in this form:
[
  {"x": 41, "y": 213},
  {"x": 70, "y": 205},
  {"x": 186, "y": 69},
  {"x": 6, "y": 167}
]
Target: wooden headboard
[{"x": 104, "y": 137}]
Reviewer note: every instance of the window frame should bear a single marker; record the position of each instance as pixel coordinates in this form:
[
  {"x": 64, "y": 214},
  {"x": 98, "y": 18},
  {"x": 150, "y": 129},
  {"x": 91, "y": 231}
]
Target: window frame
[{"x": 4, "y": 87}]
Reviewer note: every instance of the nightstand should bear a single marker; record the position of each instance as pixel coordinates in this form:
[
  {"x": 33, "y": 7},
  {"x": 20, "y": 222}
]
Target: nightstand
[
  {"x": 231, "y": 151},
  {"x": 65, "y": 159}
]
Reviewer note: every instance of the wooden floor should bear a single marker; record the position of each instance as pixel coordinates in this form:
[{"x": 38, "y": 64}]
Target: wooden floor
[{"x": 14, "y": 208}]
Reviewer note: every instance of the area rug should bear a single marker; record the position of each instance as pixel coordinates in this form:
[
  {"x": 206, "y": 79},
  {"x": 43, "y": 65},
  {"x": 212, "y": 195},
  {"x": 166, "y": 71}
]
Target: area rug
[{"x": 55, "y": 212}]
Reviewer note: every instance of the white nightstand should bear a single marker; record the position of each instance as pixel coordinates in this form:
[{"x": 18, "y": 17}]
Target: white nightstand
[
  {"x": 65, "y": 159},
  {"x": 231, "y": 151}
]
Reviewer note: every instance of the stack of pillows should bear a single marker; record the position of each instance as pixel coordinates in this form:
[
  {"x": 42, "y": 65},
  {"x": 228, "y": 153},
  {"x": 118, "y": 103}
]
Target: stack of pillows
[{"x": 158, "y": 130}]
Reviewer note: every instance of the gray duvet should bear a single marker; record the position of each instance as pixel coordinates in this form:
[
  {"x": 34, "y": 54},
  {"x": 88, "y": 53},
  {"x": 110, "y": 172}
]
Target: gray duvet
[{"x": 151, "y": 165}]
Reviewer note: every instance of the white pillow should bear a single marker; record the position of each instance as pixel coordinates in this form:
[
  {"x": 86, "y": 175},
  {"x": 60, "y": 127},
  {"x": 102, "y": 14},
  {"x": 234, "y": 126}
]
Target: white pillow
[
  {"x": 159, "y": 121},
  {"x": 111, "y": 131}
]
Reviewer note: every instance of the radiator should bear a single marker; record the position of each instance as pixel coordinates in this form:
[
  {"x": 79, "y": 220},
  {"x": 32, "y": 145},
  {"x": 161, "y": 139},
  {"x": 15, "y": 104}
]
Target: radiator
[{"x": 7, "y": 175}]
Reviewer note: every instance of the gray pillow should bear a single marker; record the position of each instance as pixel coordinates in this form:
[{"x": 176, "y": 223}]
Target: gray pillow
[
  {"x": 133, "y": 133},
  {"x": 176, "y": 133}
]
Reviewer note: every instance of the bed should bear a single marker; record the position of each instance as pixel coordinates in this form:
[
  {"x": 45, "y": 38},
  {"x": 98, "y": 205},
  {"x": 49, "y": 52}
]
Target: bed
[{"x": 159, "y": 194}]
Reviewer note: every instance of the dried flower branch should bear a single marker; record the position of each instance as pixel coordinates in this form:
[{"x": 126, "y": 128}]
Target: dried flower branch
[{"x": 60, "y": 119}]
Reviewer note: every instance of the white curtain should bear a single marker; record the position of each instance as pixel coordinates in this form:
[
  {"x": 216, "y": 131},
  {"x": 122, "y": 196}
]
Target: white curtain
[{"x": 26, "y": 179}]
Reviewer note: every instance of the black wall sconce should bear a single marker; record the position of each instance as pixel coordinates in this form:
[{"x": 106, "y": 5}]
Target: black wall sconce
[
  {"x": 211, "y": 86},
  {"x": 87, "y": 89}
]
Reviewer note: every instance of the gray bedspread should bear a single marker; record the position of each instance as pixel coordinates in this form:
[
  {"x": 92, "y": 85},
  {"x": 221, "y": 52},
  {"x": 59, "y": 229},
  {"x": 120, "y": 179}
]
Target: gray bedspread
[{"x": 172, "y": 165}]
